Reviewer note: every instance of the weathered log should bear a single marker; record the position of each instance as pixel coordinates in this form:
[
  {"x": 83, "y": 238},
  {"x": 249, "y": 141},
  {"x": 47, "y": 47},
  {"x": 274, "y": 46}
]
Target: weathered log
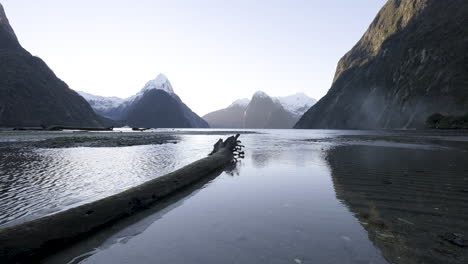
[
  {"x": 231, "y": 143},
  {"x": 29, "y": 241}
]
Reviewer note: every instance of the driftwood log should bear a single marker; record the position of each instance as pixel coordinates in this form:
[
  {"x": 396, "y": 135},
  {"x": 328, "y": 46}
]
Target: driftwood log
[
  {"x": 232, "y": 144},
  {"x": 30, "y": 241}
]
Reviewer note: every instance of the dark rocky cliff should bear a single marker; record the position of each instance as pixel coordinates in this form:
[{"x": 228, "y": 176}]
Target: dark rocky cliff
[
  {"x": 412, "y": 62},
  {"x": 31, "y": 94}
]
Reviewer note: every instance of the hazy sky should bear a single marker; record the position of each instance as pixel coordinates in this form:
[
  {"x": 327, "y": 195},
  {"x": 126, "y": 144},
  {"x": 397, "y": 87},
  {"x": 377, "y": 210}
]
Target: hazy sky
[{"x": 212, "y": 51}]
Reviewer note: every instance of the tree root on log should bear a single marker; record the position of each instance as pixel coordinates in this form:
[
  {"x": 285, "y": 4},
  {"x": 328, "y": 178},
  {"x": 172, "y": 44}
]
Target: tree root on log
[{"x": 231, "y": 143}]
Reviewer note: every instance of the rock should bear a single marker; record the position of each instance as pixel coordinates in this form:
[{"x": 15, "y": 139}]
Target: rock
[
  {"x": 447, "y": 122},
  {"x": 410, "y": 63},
  {"x": 31, "y": 95},
  {"x": 456, "y": 239}
]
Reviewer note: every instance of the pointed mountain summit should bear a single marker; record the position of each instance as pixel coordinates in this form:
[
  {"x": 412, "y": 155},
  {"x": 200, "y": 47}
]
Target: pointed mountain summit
[
  {"x": 8, "y": 36},
  {"x": 412, "y": 62},
  {"x": 159, "y": 83},
  {"x": 31, "y": 94},
  {"x": 156, "y": 105},
  {"x": 263, "y": 112}
]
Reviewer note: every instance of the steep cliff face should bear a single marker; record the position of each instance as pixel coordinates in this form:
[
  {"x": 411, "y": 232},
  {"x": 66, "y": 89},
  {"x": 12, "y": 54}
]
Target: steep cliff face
[
  {"x": 31, "y": 94},
  {"x": 9, "y": 39},
  {"x": 412, "y": 62}
]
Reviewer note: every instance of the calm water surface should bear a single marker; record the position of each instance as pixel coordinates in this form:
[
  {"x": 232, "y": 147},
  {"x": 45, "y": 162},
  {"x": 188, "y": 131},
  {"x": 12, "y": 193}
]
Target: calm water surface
[{"x": 298, "y": 197}]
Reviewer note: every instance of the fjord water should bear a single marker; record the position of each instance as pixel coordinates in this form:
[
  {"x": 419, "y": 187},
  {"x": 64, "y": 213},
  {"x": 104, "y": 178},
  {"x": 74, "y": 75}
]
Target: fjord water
[{"x": 299, "y": 196}]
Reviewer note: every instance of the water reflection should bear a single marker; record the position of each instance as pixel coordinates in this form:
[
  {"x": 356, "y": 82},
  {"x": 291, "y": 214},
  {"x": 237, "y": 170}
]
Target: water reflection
[
  {"x": 124, "y": 230},
  {"x": 284, "y": 212},
  {"x": 274, "y": 149},
  {"x": 291, "y": 200},
  {"x": 410, "y": 201},
  {"x": 36, "y": 182}
]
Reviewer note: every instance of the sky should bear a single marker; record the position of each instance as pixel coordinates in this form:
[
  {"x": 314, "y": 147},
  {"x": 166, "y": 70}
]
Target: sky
[{"x": 213, "y": 52}]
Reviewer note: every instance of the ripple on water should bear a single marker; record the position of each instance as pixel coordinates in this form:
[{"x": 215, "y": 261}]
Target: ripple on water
[{"x": 37, "y": 182}]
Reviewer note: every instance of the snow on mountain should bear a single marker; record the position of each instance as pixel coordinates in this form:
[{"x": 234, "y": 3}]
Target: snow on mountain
[
  {"x": 101, "y": 102},
  {"x": 148, "y": 109},
  {"x": 161, "y": 83},
  {"x": 297, "y": 103},
  {"x": 240, "y": 102},
  {"x": 260, "y": 94}
]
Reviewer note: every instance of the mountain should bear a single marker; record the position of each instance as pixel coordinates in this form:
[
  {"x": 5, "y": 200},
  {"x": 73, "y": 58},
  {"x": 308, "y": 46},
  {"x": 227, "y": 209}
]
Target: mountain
[
  {"x": 31, "y": 94},
  {"x": 297, "y": 104},
  {"x": 412, "y": 62},
  {"x": 156, "y": 105},
  {"x": 104, "y": 106},
  {"x": 230, "y": 117},
  {"x": 262, "y": 111}
]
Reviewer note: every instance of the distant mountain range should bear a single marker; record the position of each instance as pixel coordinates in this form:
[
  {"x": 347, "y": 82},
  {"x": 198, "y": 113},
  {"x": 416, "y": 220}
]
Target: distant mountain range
[
  {"x": 155, "y": 106},
  {"x": 262, "y": 111},
  {"x": 411, "y": 63},
  {"x": 31, "y": 94}
]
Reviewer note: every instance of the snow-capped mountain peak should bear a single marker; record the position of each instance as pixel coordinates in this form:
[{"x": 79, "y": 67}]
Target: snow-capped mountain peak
[
  {"x": 296, "y": 104},
  {"x": 160, "y": 83}
]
